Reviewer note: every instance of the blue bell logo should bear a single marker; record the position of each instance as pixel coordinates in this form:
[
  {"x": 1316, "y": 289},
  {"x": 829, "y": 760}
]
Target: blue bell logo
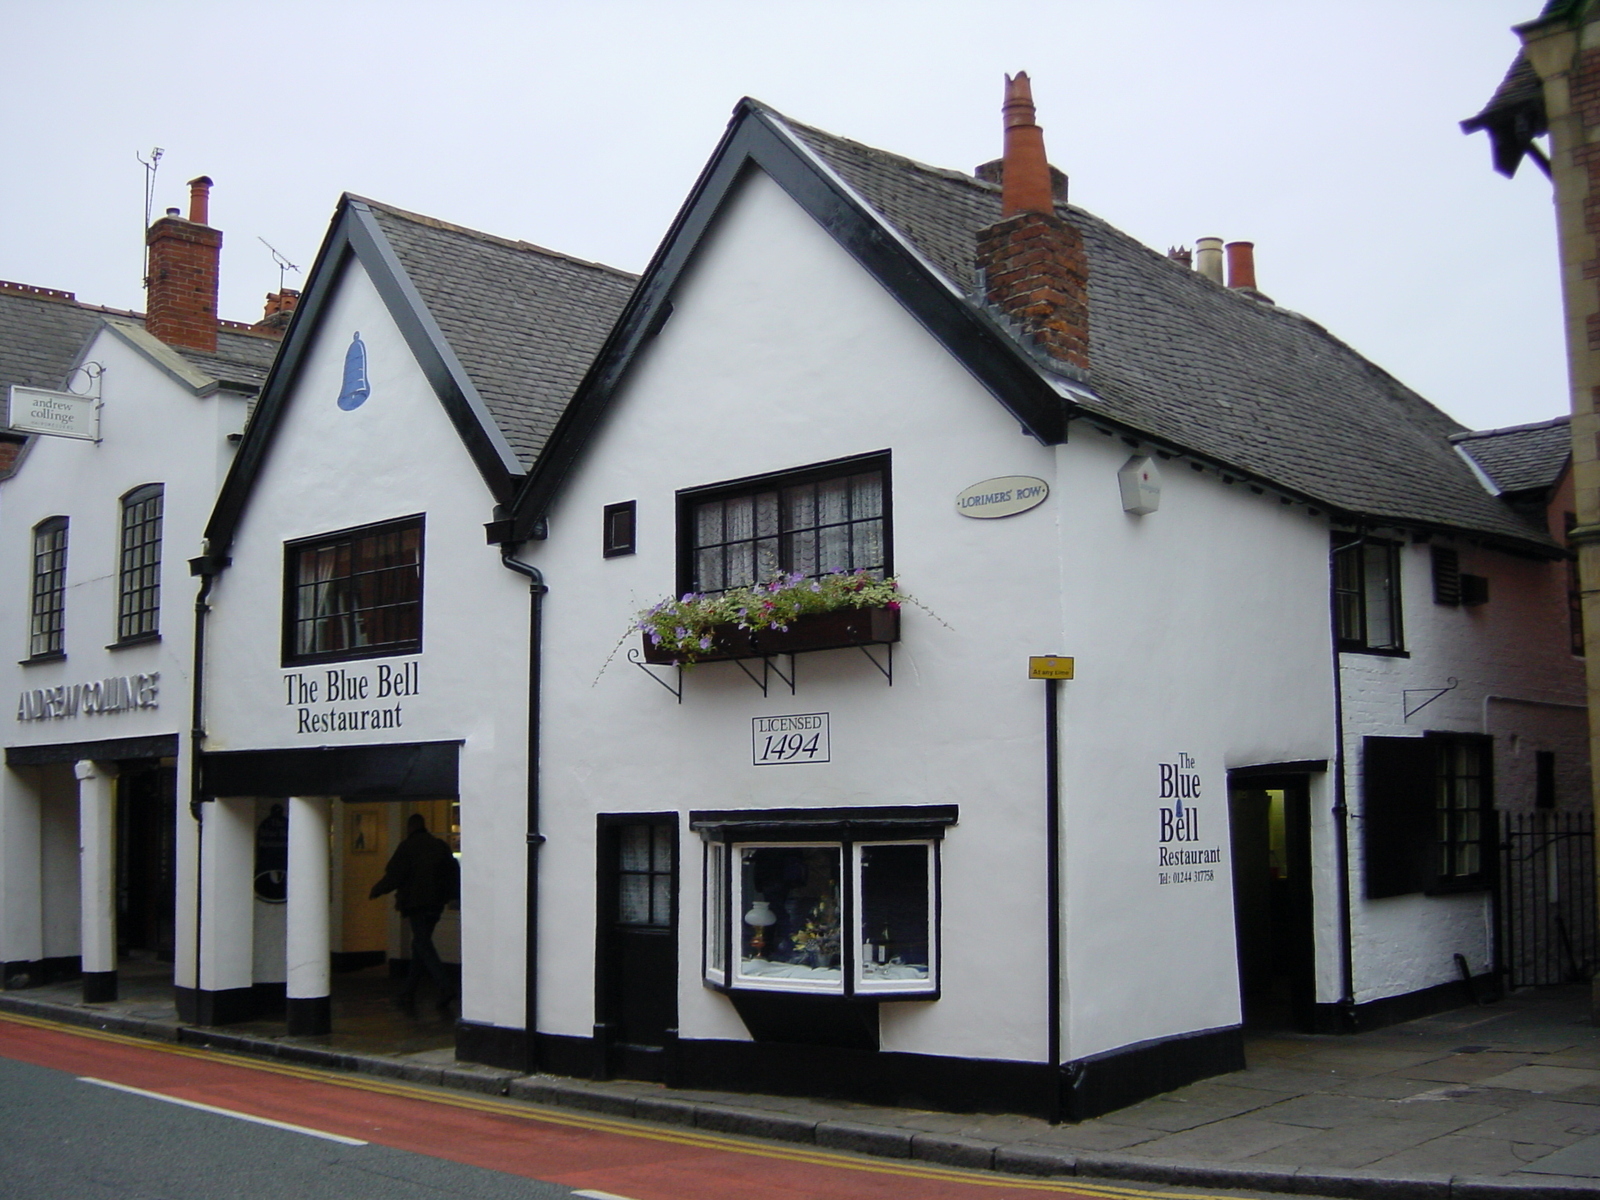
[{"x": 356, "y": 389}]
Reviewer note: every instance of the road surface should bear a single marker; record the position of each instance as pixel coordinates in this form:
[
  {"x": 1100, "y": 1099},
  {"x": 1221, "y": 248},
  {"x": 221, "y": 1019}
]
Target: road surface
[{"x": 97, "y": 1116}]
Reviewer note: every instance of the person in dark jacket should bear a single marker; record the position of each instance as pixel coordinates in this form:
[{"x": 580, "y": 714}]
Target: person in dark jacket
[{"x": 424, "y": 877}]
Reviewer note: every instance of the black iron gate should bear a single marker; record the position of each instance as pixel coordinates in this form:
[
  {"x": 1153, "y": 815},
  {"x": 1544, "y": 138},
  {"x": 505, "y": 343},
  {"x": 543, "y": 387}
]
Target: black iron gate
[{"x": 1547, "y": 897}]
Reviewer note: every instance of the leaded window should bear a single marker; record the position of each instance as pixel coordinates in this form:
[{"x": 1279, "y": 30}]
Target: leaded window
[
  {"x": 139, "y": 566},
  {"x": 47, "y": 615},
  {"x": 814, "y": 522}
]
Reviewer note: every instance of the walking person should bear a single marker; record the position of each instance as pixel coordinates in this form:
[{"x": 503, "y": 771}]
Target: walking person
[{"x": 425, "y": 877}]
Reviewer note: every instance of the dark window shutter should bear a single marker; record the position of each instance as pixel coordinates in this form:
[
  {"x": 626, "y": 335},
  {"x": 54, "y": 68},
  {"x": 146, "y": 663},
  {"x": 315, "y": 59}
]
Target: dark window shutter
[{"x": 1399, "y": 785}]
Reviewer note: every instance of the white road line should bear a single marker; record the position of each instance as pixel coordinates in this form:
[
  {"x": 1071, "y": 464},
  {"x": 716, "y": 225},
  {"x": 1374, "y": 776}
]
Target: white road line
[
  {"x": 589, "y": 1194},
  {"x": 223, "y": 1112}
]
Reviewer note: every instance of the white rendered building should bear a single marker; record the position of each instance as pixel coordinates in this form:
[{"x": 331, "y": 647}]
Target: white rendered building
[{"x": 98, "y": 615}]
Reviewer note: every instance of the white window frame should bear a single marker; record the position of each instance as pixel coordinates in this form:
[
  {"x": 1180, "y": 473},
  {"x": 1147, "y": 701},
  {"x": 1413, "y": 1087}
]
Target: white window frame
[{"x": 864, "y": 986}]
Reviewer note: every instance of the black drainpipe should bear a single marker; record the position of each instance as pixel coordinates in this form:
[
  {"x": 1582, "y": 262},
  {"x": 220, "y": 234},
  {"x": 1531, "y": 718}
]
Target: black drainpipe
[
  {"x": 1341, "y": 810},
  {"x": 530, "y": 1009},
  {"x": 207, "y": 568},
  {"x": 1052, "y": 824}
]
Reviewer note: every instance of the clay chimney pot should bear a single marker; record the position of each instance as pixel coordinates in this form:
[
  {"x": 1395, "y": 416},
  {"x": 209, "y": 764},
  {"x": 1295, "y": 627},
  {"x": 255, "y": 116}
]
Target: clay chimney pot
[
  {"x": 200, "y": 200},
  {"x": 1241, "y": 265}
]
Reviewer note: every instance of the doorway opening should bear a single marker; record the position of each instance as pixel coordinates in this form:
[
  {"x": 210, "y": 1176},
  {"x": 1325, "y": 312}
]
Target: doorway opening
[
  {"x": 636, "y": 985},
  {"x": 146, "y": 850},
  {"x": 1270, "y": 821}
]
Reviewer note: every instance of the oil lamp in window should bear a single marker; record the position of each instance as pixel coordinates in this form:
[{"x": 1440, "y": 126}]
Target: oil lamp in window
[{"x": 759, "y": 917}]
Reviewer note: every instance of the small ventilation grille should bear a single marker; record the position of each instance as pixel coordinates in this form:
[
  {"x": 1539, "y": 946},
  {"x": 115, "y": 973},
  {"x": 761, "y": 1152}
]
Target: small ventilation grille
[{"x": 1446, "y": 576}]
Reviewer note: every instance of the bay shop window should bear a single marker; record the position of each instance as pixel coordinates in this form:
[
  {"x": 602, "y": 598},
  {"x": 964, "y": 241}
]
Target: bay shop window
[{"x": 829, "y": 903}]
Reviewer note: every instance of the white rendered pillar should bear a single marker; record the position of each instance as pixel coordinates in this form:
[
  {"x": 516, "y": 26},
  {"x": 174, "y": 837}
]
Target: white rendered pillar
[
  {"x": 97, "y": 878},
  {"x": 227, "y": 912},
  {"x": 21, "y": 877},
  {"x": 309, "y": 945}
]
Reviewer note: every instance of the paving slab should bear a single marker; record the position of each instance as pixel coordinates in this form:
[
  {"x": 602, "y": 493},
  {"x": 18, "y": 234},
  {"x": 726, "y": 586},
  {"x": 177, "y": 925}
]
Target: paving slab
[
  {"x": 1581, "y": 1159},
  {"x": 1463, "y": 1154},
  {"x": 1542, "y": 1079},
  {"x": 1324, "y": 1110},
  {"x": 1225, "y": 1141},
  {"x": 1358, "y": 1143}
]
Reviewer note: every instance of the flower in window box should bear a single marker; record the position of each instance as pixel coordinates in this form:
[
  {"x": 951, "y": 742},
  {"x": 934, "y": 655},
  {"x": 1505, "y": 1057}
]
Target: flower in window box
[{"x": 741, "y": 622}]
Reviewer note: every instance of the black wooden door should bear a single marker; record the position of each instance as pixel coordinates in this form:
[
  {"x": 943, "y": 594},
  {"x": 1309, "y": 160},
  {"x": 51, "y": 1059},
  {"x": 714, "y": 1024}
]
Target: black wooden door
[{"x": 637, "y": 993}]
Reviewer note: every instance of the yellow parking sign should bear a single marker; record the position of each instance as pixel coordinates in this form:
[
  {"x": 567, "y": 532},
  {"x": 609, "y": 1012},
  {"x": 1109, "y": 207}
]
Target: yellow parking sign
[{"x": 1049, "y": 666}]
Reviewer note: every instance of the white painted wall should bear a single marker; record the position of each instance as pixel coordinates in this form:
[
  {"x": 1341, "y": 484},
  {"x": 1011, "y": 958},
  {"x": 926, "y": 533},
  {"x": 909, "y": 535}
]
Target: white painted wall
[
  {"x": 1199, "y": 629},
  {"x": 154, "y": 429},
  {"x": 327, "y": 470},
  {"x": 781, "y": 353},
  {"x": 1516, "y": 679}
]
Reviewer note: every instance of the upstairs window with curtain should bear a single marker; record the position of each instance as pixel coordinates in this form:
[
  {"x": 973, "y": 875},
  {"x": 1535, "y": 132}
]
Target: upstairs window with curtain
[
  {"x": 811, "y": 522},
  {"x": 356, "y": 593}
]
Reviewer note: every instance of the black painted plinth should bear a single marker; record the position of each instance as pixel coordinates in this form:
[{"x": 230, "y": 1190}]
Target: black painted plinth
[
  {"x": 309, "y": 1016},
  {"x": 223, "y": 1006},
  {"x": 99, "y": 986}
]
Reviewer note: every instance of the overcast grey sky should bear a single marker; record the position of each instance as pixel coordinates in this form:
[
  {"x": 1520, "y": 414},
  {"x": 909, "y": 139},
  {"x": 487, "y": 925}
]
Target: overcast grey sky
[{"x": 1324, "y": 133}]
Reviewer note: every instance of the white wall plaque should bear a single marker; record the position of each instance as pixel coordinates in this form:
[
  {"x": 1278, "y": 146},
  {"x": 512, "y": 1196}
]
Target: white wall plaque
[
  {"x": 1004, "y": 496},
  {"x": 59, "y": 414},
  {"x": 782, "y": 741}
]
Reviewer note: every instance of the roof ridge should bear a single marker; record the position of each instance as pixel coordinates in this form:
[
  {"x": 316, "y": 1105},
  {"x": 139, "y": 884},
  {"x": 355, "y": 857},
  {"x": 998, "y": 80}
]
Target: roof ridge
[
  {"x": 950, "y": 173},
  {"x": 478, "y": 234}
]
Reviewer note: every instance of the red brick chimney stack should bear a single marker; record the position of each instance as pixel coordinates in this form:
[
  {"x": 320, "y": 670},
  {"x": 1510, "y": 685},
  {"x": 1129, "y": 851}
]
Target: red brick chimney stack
[
  {"x": 181, "y": 289},
  {"x": 1033, "y": 265}
]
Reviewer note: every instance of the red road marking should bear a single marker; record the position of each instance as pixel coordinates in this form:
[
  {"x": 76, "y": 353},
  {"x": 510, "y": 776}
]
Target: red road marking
[{"x": 580, "y": 1152}]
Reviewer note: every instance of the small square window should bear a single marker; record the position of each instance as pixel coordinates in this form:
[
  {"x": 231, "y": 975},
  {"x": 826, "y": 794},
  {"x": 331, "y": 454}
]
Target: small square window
[{"x": 619, "y": 529}]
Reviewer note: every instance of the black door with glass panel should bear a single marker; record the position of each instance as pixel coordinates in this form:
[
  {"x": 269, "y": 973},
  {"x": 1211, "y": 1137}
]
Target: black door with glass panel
[{"x": 637, "y": 956}]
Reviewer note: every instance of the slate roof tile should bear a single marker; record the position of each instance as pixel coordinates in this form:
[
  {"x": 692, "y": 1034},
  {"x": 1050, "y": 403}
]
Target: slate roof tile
[
  {"x": 1190, "y": 363},
  {"x": 525, "y": 322},
  {"x": 1521, "y": 458},
  {"x": 43, "y": 332}
]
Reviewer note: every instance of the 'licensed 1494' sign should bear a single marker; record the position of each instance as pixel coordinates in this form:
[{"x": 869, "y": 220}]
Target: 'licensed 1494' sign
[{"x": 781, "y": 741}]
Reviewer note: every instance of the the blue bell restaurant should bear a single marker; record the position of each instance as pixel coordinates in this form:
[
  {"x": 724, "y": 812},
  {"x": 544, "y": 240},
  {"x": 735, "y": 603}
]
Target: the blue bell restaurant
[{"x": 1154, "y": 664}]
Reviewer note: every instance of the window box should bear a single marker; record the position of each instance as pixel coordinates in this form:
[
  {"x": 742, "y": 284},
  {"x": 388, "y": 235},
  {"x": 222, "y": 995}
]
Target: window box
[{"x": 809, "y": 631}]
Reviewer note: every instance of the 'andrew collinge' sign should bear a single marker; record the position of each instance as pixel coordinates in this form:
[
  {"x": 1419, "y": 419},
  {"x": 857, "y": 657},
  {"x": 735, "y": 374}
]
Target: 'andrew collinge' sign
[{"x": 1005, "y": 496}]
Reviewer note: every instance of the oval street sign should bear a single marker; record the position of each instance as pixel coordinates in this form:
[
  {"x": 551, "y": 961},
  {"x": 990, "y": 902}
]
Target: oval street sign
[{"x": 1003, "y": 496}]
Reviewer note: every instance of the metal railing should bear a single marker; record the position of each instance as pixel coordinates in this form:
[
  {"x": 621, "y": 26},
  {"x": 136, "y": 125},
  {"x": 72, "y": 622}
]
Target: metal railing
[{"x": 1546, "y": 895}]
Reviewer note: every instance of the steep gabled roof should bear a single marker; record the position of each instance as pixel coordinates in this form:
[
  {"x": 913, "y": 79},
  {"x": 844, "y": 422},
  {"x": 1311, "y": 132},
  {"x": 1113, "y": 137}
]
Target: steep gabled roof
[
  {"x": 501, "y": 329},
  {"x": 524, "y": 321},
  {"x": 1521, "y": 458},
  {"x": 1175, "y": 359}
]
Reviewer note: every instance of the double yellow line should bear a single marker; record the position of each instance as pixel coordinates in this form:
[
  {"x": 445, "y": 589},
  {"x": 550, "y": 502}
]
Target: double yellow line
[{"x": 523, "y": 1111}]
